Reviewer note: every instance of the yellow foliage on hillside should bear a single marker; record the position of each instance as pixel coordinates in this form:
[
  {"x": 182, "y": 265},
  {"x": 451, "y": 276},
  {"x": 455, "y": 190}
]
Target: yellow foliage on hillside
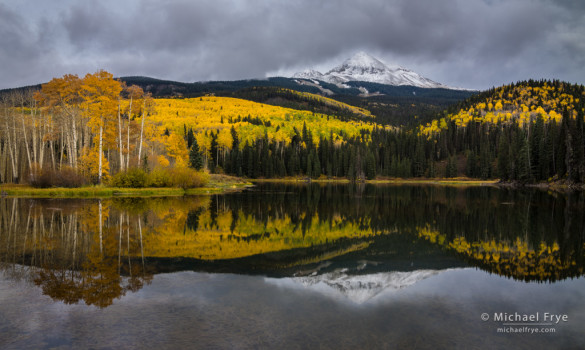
[
  {"x": 516, "y": 259},
  {"x": 521, "y": 103},
  {"x": 221, "y": 113},
  {"x": 216, "y": 239},
  {"x": 329, "y": 101}
]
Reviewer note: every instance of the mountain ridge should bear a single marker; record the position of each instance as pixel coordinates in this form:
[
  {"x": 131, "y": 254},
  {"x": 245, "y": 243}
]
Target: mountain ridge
[{"x": 364, "y": 67}]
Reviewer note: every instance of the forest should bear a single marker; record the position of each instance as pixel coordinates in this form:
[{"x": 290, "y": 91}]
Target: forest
[
  {"x": 77, "y": 131},
  {"x": 526, "y": 132},
  {"x": 74, "y": 131}
]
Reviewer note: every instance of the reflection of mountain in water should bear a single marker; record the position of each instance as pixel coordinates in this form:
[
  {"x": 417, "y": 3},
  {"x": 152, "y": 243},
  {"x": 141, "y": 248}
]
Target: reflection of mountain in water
[
  {"x": 86, "y": 247},
  {"x": 361, "y": 288}
]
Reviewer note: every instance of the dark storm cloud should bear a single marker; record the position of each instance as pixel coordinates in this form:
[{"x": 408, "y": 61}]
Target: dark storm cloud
[{"x": 469, "y": 43}]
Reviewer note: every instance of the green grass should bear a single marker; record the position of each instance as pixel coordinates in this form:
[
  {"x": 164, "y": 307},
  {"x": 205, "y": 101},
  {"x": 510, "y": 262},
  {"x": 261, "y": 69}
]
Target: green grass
[
  {"x": 217, "y": 184},
  {"x": 394, "y": 181}
]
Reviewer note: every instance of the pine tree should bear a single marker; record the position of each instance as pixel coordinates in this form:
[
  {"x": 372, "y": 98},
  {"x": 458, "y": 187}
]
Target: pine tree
[
  {"x": 195, "y": 156},
  {"x": 316, "y": 168},
  {"x": 451, "y": 169},
  {"x": 503, "y": 157},
  {"x": 523, "y": 161},
  {"x": 370, "y": 166},
  {"x": 214, "y": 151}
]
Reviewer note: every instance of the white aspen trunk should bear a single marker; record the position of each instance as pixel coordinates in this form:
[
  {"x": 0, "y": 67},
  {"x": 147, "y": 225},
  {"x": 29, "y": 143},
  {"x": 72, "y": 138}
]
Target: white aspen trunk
[
  {"x": 52, "y": 150},
  {"x": 74, "y": 145},
  {"x": 62, "y": 148},
  {"x": 26, "y": 145},
  {"x": 120, "y": 242},
  {"x": 100, "y": 222},
  {"x": 69, "y": 147},
  {"x": 41, "y": 138},
  {"x": 100, "y": 156},
  {"x": 128, "y": 138},
  {"x": 11, "y": 153},
  {"x": 35, "y": 135},
  {"x": 141, "y": 131},
  {"x": 3, "y": 162},
  {"x": 128, "y": 244},
  {"x": 120, "y": 139},
  {"x": 141, "y": 245},
  {"x": 15, "y": 171}
]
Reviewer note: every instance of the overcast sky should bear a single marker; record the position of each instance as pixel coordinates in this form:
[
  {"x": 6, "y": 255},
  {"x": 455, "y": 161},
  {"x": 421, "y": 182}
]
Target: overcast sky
[{"x": 467, "y": 43}]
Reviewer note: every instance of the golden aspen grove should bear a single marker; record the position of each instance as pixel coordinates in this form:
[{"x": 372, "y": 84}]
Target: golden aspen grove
[
  {"x": 94, "y": 127},
  {"x": 77, "y": 131}
]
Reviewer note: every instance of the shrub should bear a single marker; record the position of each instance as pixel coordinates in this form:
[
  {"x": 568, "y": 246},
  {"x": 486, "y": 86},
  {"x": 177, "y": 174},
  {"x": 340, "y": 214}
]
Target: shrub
[
  {"x": 134, "y": 177},
  {"x": 159, "y": 177},
  {"x": 65, "y": 177},
  {"x": 188, "y": 178}
]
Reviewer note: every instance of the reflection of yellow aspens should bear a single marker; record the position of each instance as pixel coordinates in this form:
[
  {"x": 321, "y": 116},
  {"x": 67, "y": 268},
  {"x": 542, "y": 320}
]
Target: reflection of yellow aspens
[
  {"x": 214, "y": 239},
  {"x": 515, "y": 259}
]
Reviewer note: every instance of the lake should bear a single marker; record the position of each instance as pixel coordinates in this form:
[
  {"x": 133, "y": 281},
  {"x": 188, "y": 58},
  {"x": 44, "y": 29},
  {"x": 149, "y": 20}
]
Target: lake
[{"x": 296, "y": 266}]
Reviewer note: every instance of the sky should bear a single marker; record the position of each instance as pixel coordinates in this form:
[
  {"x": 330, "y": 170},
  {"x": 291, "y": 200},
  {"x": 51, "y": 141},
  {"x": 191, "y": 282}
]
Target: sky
[{"x": 474, "y": 44}]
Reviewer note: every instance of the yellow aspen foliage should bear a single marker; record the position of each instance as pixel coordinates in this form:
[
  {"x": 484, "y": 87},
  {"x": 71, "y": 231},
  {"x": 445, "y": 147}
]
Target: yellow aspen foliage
[
  {"x": 163, "y": 161},
  {"x": 177, "y": 149},
  {"x": 224, "y": 139},
  {"x": 89, "y": 163},
  {"x": 250, "y": 119},
  {"x": 529, "y": 103}
]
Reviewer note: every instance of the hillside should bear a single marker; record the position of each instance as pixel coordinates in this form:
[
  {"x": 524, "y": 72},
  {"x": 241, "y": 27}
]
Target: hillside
[
  {"x": 391, "y": 105},
  {"x": 303, "y": 101},
  {"x": 251, "y": 121},
  {"x": 521, "y": 103},
  {"x": 524, "y": 132}
]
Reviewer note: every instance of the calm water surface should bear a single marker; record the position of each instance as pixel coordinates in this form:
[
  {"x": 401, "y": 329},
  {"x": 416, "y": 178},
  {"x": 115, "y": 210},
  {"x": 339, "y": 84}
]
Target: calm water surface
[{"x": 299, "y": 266}]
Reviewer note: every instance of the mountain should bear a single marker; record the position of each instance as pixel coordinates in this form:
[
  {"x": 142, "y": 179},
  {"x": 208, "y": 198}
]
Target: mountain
[
  {"x": 361, "y": 288},
  {"x": 363, "y": 67}
]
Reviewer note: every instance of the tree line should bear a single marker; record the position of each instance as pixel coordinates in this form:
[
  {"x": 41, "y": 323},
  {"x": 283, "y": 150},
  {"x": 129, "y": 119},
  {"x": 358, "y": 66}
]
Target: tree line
[{"x": 511, "y": 151}]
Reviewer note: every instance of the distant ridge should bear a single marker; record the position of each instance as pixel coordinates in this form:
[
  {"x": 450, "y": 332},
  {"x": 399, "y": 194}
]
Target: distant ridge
[{"x": 364, "y": 67}]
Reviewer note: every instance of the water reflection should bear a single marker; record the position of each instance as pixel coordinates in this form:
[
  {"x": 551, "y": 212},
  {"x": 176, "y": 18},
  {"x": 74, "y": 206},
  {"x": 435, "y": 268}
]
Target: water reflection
[
  {"x": 74, "y": 250},
  {"x": 98, "y": 250}
]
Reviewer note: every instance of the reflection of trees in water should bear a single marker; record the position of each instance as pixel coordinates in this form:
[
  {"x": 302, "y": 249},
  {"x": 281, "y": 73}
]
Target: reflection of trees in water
[
  {"x": 73, "y": 249},
  {"x": 541, "y": 235},
  {"x": 78, "y": 256}
]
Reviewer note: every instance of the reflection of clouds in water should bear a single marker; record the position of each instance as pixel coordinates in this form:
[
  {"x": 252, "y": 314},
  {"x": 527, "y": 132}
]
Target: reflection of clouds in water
[{"x": 189, "y": 309}]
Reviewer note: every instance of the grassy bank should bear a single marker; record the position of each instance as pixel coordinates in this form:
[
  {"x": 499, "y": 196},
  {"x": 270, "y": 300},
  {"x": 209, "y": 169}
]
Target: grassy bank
[
  {"x": 459, "y": 181},
  {"x": 216, "y": 184}
]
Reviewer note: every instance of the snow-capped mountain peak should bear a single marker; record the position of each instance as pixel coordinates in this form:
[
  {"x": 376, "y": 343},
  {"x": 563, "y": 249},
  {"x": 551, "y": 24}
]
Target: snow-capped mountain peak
[
  {"x": 362, "y": 288},
  {"x": 309, "y": 74},
  {"x": 363, "y": 62},
  {"x": 364, "y": 67}
]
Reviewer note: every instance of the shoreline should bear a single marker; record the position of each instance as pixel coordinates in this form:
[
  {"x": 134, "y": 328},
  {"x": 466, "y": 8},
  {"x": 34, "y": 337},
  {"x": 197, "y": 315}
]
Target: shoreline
[
  {"x": 386, "y": 181},
  {"x": 217, "y": 185},
  {"x": 220, "y": 184}
]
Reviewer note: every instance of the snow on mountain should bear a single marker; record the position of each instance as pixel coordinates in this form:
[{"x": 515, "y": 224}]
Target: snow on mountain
[
  {"x": 361, "y": 288},
  {"x": 309, "y": 74},
  {"x": 363, "y": 67}
]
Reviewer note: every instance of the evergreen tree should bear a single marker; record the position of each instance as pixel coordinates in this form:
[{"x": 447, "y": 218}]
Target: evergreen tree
[
  {"x": 503, "y": 158},
  {"x": 190, "y": 137},
  {"x": 214, "y": 152},
  {"x": 316, "y": 168},
  {"x": 523, "y": 161},
  {"x": 451, "y": 168},
  {"x": 370, "y": 166},
  {"x": 195, "y": 156}
]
